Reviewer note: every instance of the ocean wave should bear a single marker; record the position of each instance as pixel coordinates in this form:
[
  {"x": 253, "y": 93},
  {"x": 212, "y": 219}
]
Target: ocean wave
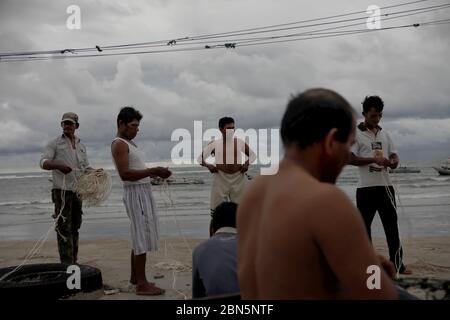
[
  {"x": 11, "y": 177},
  {"x": 441, "y": 179},
  {"x": 426, "y": 196},
  {"x": 24, "y": 203},
  {"x": 426, "y": 185}
]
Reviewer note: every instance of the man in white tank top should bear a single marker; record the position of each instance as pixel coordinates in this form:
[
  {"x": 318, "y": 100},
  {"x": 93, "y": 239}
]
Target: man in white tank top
[{"x": 138, "y": 198}]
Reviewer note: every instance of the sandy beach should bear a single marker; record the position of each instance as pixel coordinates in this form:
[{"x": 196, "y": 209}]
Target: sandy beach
[{"x": 170, "y": 267}]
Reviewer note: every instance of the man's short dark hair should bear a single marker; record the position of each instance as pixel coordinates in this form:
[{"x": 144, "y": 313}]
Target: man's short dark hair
[
  {"x": 128, "y": 114},
  {"x": 312, "y": 114},
  {"x": 372, "y": 102},
  {"x": 224, "y": 216},
  {"x": 224, "y": 121}
]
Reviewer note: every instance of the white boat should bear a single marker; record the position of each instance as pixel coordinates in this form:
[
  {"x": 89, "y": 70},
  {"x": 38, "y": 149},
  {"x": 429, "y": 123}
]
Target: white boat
[
  {"x": 405, "y": 170},
  {"x": 177, "y": 181},
  {"x": 444, "y": 169}
]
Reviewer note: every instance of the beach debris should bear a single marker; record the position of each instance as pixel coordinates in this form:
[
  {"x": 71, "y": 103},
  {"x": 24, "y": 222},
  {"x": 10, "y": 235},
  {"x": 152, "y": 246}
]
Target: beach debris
[
  {"x": 426, "y": 288},
  {"x": 111, "y": 292}
]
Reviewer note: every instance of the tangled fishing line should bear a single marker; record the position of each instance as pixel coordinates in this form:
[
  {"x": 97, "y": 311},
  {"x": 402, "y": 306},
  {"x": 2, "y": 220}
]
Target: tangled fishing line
[{"x": 93, "y": 187}]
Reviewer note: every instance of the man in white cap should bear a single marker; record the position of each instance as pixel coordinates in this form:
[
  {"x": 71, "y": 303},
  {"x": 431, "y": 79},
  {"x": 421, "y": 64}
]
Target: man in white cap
[{"x": 66, "y": 155}]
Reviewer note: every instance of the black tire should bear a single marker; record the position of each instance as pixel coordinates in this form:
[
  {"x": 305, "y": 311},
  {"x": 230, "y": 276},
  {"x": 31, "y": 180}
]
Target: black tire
[{"x": 46, "y": 281}]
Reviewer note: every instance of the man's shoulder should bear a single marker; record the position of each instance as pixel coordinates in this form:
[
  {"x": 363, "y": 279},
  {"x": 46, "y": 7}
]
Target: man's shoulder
[
  {"x": 119, "y": 143},
  {"x": 79, "y": 142},
  {"x": 54, "y": 141},
  {"x": 327, "y": 196},
  {"x": 360, "y": 133},
  {"x": 202, "y": 247},
  {"x": 385, "y": 133}
]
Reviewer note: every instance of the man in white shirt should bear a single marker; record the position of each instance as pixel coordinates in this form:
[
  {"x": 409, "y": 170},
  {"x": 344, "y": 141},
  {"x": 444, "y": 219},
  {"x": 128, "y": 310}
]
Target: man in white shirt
[
  {"x": 373, "y": 153},
  {"x": 66, "y": 156}
]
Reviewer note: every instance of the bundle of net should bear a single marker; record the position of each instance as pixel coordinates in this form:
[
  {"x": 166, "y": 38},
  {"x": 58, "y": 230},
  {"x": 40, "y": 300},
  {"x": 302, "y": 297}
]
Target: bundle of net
[{"x": 93, "y": 187}]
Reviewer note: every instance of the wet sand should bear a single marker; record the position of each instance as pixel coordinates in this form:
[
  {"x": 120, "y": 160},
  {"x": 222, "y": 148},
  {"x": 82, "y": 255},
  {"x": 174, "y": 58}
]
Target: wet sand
[{"x": 171, "y": 265}]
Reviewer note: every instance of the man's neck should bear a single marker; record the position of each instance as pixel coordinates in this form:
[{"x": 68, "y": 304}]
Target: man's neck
[
  {"x": 71, "y": 137},
  {"x": 122, "y": 136},
  {"x": 306, "y": 161},
  {"x": 371, "y": 128}
]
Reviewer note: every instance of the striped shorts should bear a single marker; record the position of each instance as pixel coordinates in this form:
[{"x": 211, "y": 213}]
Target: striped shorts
[{"x": 141, "y": 210}]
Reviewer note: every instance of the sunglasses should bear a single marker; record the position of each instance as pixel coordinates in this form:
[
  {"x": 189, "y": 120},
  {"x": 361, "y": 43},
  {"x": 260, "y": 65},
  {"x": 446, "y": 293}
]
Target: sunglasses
[{"x": 67, "y": 123}]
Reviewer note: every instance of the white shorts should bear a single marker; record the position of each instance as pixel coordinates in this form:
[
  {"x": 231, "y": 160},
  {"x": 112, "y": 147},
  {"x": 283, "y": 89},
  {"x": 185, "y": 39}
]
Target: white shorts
[
  {"x": 141, "y": 210},
  {"x": 227, "y": 187}
]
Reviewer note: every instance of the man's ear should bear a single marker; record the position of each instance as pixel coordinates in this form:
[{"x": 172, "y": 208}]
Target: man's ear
[
  {"x": 329, "y": 141},
  {"x": 77, "y": 126}
]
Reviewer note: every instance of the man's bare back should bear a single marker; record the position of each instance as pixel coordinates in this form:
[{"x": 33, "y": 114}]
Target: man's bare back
[{"x": 300, "y": 238}]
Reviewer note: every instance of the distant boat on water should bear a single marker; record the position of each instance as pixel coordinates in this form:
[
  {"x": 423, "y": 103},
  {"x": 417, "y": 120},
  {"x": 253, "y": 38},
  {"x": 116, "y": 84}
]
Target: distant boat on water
[
  {"x": 444, "y": 169},
  {"x": 177, "y": 181},
  {"x": 405, "y": 169}
]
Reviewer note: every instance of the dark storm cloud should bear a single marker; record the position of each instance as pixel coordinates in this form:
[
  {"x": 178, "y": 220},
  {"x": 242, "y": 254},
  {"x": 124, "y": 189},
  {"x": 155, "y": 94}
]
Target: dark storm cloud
[{"x": 407, "y": 68}]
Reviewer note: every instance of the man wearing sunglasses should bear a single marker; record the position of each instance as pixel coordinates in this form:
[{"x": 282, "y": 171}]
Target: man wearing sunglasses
[{"x": 66, "y": 157}]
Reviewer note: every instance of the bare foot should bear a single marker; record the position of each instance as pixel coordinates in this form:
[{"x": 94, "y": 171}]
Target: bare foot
[{"x": 149, "y": 290}]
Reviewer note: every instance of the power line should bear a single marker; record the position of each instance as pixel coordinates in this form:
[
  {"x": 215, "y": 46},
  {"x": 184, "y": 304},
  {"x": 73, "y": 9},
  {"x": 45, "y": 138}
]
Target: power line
[
  {"x": 232, "y": 43},
  {"x": 207, "y": 36},
  {"x": 415, "y": 25},
  {"x": 342, "y": 33}
]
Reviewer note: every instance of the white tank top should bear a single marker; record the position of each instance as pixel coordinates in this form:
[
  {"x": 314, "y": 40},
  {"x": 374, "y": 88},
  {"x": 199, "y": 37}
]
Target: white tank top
[{"x": 135, "y": 162}]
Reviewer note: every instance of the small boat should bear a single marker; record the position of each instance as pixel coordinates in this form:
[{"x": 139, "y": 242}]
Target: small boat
[
  {"x": 405, "y": 170},
  {"x": 444, "y": 169},
  {"x": 176, "y": 181}
]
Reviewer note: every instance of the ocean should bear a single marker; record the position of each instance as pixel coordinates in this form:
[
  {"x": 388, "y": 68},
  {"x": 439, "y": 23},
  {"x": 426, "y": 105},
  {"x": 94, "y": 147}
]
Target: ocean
[{"x": 25, "y": 205}]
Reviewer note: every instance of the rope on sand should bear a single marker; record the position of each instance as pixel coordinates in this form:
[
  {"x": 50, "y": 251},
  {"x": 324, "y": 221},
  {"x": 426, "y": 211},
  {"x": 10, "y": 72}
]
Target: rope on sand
[
  {"x": 40, "y": 242},
  {"x": 174, "y": 265},
  {"x": 398, "y": 260},
  {"x": 93, "y": 187}
]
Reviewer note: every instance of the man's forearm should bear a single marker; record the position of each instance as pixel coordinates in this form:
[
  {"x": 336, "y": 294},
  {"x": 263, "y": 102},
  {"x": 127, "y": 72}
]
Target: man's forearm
[
  {"x": 51, "y": 165},
  {"x": 360, "y": 161},
  {"x": 135, "y": 175}
]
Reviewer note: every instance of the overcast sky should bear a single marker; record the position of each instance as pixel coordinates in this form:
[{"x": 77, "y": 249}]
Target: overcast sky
[{"x": 408, "y": 68}]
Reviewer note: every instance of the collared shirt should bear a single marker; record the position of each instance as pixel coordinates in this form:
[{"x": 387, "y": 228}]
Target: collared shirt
[
  {"x": 214, "y": 265},
  {"x": 61, "y": 149},
  {"x": 226, "y": 230},
  {"x": 369, "y": 145}
]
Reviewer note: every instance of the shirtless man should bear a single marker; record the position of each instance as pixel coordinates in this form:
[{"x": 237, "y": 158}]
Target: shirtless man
[
  {"x": 229, "y": 179},
  {"x": 300, "y": 237}
]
